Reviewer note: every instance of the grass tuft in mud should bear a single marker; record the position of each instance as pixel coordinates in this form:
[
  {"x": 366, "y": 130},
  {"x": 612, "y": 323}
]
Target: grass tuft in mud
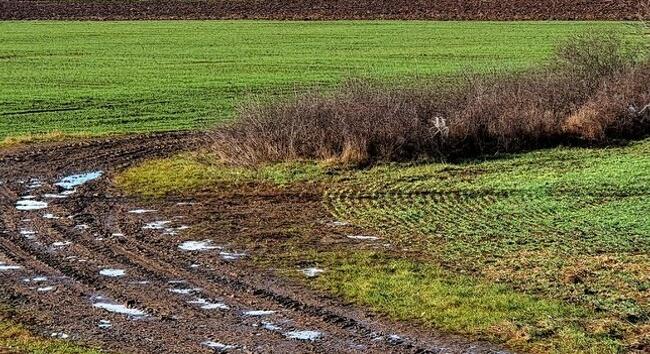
[{"x": 15, "y": 338}]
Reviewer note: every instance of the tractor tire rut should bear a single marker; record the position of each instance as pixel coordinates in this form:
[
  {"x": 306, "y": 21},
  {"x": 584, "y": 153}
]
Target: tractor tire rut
[{"x": 80, "y": 261}]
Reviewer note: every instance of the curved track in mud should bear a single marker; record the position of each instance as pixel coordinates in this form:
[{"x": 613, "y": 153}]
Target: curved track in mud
[{"x": 89, "y": 264}]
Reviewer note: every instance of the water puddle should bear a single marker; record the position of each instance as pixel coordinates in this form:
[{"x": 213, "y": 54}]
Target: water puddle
[
  {"x": 27, "y": 205},
  {"x": 142, "y": 211},
  {"x": 45, "y": 289},
  {"x": 304, "y": 335},
  {"x": 339, "y": 223},
  {"x": 61, "y": 195},
  {"x": 112, "y": 272},
  {"x": 35, "y": 280},
  {"x": 228, "y": 256},
  {"x": 121, "y": 309},
  {"x": 207, "y": 305},
  {"x": 156, "y": 225},
  {"x": 50, "y": 216},
  {"x": 258, "y": 313},
  {"x": 6, "y": 267},
  {"x": 105, "y": 324},
  {"x": 362, "y": 237},
  {"x": 61, "y": 244},
  {"x": 270, "y": 326},
  {"x": 117, "y": 234},
  {"x": 197, "y": 246},
  {"x": 220, "y": 347},
  {"x": 59, "y": 335},
  {"x": 73, "y": 181},
  {"x": 185, "y": 291},
  {"x": 28, "y": 234},
  {"x": 312, "y": 272},
  {"x": 34, "y": 183}
]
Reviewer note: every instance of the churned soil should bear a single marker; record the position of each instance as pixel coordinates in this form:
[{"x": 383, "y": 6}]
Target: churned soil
[
  {"x": 81, "y": 261},
  {"x": 321, "y": 9}
]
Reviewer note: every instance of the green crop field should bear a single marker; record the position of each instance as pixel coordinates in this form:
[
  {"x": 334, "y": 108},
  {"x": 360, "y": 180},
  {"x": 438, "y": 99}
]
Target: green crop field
[{"x": 99, "y": 77}]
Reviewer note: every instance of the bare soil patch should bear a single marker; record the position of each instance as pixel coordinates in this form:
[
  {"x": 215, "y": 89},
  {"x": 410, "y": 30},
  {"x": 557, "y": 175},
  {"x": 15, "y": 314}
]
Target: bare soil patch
[
  {"x": 321, "y": 9},
  {"x": 174, "y": 275}
]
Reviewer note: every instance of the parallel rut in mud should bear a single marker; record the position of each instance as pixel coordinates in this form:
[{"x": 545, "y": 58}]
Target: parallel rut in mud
[{"x": 81, "y": 262}]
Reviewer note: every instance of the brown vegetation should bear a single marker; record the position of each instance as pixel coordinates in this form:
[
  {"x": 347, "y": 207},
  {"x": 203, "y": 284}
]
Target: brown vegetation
[{"x": 595, "y": 89}]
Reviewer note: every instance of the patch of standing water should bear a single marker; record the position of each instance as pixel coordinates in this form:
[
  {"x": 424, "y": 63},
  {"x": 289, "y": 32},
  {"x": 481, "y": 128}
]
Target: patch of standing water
[
  {"x": 5, "y": 267},
  {"x": 104, "y": 324},
  {"x": 218, "y": 346},
  {"x": 258, "y": 313},
  {"x": 184, "y": 291},
  {"x": 27, "y": 205},
  {"x": 228, "y": 256},
  {"x": 156, "y": 225},
  {"x": 73, "y": 181},
  {"x": 270, "y": 326},
  {"x": 304, "y": 335},
  {"x": 113, "y": 273},
  {"x": 362, "y": 237},
  {"x": 206, "y": 305},
  {"x": 35, "y": 280},
  {"x": 142, "y": 211},
  {"x": 45, "y": 289},
  {"x": 312, "y": 272},
  {"x": 121, "y": 309},
  {"x": 197, "y": 246}
]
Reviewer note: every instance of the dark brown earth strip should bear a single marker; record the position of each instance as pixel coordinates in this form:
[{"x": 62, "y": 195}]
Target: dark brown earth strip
[
  {"x": 62, "y": 248},
  {"x": 321, "y": 9}
]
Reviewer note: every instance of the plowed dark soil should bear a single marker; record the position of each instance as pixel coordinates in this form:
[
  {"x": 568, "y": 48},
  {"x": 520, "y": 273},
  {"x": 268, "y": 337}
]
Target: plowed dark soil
[
  {"x": 322, "y": 9},
  {"x": 92, "y": 250}
]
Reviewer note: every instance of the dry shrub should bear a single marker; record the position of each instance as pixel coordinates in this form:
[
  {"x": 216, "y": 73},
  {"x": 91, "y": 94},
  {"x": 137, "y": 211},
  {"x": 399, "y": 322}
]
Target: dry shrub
[{"x": 594, "y": 89}]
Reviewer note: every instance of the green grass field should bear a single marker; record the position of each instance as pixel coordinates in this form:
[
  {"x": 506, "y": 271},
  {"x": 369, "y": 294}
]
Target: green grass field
[
  {"x": 546, "y": 251},
  {"x": 101, "y": 77}
]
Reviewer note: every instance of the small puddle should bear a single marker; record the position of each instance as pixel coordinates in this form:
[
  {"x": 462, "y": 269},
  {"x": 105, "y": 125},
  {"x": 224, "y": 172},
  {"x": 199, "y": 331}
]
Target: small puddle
[
  {"x": 35, "y": 280},
  {"x": 121, "y": 309},
  {"x": 156, "y": 225},
  {"x": 304, "y": 335},
  {"x": 50, "y": 216},
  {"x": 27, "y": 205},
  {"x": 105, "y": 324},
  {"x": 184, "y": 291},
  {"x": 28, "y": 234},
  {"x": 258, "y": 313},
  {"x": 229, "y": 256},
  {"x": 197, "y": 246},
  {"x": 5, "y": 267},
  {"x": 142, "y": 211},
  {"x": 362, "y": 237},
  {"x": 312, "y": 272},
  {"x": 220, "y": 347},
  {"x": 206, "y": 305},
  {"x": 45, "y": 289},
  {"x": 270, "y": 326},
  {"x": 61, "y": 244},
  {"x": 73, "y": 181},
  {"x": 112, "y": 272},
  {"x": 59, "y": 335}
]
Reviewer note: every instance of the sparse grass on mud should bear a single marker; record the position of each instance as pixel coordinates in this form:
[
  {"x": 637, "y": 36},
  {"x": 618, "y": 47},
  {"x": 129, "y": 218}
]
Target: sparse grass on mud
[
  {"x": 196, "y": 172},
  {"x": 554, "y": 243},
  {"x": 16, "y": 339},
  {"x": 147, "y": 76}
]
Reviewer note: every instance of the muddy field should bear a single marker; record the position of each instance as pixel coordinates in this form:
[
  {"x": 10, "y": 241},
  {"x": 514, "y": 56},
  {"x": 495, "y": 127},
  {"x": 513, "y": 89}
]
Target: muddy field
[
  {"x": 79, "y": 261},
  {"x": 322, "y": 9}
]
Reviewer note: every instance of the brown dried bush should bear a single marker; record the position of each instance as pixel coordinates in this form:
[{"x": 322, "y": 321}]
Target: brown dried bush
[{"x": 594, "y": 89}]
